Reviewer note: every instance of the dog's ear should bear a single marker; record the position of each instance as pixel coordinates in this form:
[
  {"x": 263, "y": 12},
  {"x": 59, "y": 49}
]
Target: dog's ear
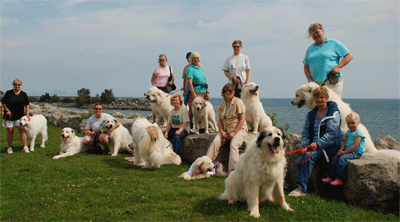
[
  {"x": 73, "y": 133},
  {"x": 201, "y": 166},
  {"x": 260, "y": 138}
]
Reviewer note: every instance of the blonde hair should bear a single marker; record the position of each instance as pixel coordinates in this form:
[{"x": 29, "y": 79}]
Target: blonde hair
[
  {"x": 353, "y": 116},
  {"x": 237, "y": 41},
  {"x": 17, "y": 80},
  {"x": 193, "y": 55},
  {"x": 321, "y": 91},
  {"x": 313, "y": 28},
  {"x": 179, "y": 97},
  {"x": 228, "y": 86}
]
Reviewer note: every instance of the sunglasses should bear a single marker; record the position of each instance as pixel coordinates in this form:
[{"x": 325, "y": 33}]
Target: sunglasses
[
  {"x": 228, "y": 91},
  {"x": 98, "y": 108},
  {"x": 17, "y": 84},
  {"x": 236, "y": 46},
  {"x": 161, "y": 60}
]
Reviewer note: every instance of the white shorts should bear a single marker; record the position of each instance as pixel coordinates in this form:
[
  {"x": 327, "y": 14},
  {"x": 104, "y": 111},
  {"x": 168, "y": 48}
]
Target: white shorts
[{"x": 11, "y": 123}]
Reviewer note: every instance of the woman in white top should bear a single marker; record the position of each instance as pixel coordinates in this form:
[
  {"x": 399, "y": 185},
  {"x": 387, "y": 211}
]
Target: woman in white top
[
  {"x": 237, "y": 68},
  {"x": 93, "y": 128},
  {"x": 178, "y": 122}
]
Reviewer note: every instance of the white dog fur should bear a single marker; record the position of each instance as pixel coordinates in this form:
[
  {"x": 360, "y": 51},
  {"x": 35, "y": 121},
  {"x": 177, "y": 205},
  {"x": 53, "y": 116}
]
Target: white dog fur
[
  {"x": 150, "y": 146},
  {"x": 259, "y": 173},
  {"x": 203, "y": 112},
  {"x": 303, "y": 96},
  {"x": 37, "y": 125},
  {"x": 71, "y": 144},
  {"x": 203, "y": 167},
  {"x": 256, "y": 117},
  {"x": 120, "y": 137},
  {"x": 160, "y": 104}
]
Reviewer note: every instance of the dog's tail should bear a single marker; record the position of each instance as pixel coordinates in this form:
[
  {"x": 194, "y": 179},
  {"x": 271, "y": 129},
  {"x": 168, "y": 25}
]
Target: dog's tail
[
  {"x": 153, "y": 132},
  {"x": 171, "y": 158}
]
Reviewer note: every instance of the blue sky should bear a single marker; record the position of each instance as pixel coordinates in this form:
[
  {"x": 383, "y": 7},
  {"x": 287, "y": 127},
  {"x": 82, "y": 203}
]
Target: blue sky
[{"x": 60, "y": 47}]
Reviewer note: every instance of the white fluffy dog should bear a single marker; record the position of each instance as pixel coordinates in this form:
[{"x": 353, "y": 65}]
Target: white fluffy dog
[
  {"x": 160, "y": 104},
  {"x": 259, "y": 173},
  {"x": 203, "y": 167},
  {"x": 150, "y": 146},
  {"x": 304, "y": 97},
  {"x": 256, "y": 117},
  {"x": 71, "y": 144},
  {"x": 203, "y": 112},
  {"x": 37, "y": 125},
  {"x": 119, "y": 137}
]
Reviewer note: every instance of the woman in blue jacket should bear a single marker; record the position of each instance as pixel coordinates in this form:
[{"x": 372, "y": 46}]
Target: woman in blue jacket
[{"x": 322, "y": 133}]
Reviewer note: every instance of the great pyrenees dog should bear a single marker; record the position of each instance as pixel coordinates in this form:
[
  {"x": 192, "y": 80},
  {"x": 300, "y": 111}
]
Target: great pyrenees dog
[
  {"x": 199, "y": 169},
  {"x": 70, "y": 144},
  {"x": 304, "y": 97},
  {"x": 37, "y": 125},
  {"x": 203, "y": 112},
  {"x": 150, "y": 146},
  {"x": 120, "y": 137},
  {"x": 259, "y": 173},
  {"x": 160, "y": 104},
  {"x": 256, "y": 117}
]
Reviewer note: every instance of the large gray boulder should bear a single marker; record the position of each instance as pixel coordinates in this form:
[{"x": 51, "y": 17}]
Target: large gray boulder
[
  {"x": 387, "y": 142},
  {"x": 373, "y": 182}
]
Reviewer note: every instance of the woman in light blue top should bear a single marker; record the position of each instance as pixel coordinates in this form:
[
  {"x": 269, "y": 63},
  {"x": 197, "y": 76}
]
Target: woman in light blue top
[{"x": 323, "y": 56}]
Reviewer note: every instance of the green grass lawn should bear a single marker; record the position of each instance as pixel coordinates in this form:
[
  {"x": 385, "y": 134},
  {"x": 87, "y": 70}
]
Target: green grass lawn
[{"x": 89, "y": 187}]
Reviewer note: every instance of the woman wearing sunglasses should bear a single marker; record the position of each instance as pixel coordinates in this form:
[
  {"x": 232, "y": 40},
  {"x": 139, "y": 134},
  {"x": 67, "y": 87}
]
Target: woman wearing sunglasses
[
  {"x": 15, "y": 102},
  {"x": 161, "y": 74},
  {"x": 232, "y": 126},
  {"x": 237, "y": 68},
  {"x": 93, "y": 129}
]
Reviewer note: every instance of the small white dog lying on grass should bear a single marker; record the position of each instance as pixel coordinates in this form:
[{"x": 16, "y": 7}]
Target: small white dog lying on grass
[
  {"x": 37, "y": 125},
  {"x": 119, "y": 137},
  {"x": 203, "y": 112},
  {"x": 203, "y": 167},
  {"x": 71, "y": 144}
]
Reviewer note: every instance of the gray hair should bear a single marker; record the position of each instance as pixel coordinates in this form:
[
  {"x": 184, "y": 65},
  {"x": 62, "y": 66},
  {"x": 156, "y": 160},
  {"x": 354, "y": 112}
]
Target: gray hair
[
  {"x": 314, "y": 27},
  {"x": 162, "y": 55},
  {"x": 193, "y": 55},
  {"x": 17, "y": 80}
]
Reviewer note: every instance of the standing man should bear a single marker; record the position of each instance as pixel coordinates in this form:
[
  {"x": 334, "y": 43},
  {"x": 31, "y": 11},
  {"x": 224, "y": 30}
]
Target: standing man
[{"x": 237, "y": 68}]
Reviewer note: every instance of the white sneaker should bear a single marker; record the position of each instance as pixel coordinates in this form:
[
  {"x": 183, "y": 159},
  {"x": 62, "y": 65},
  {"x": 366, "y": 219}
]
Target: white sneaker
[
  {"x": 10, "y": 150},
  {"x": 25, "y": 150},
  {"x": 298, "y": 192}
]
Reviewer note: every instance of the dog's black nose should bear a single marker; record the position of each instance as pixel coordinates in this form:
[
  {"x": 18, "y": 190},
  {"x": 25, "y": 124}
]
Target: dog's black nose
[
  {"x": 256, "y": 88},
  {"x": 291, "y": 102},
  {"x": 277, "y": 139}
]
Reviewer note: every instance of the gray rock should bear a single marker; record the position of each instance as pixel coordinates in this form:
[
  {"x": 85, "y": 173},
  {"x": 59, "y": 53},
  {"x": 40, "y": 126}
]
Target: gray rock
[
  {"x": 117, "y": 115},
  {"x": 387, "y": 142}
]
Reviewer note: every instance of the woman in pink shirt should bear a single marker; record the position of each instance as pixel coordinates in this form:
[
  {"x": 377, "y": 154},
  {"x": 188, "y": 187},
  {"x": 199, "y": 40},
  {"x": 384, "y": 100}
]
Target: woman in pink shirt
[{"x": 161, "y": 74}]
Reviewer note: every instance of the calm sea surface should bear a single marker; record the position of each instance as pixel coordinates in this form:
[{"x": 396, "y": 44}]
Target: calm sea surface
[{"x": 380, "y": 116}]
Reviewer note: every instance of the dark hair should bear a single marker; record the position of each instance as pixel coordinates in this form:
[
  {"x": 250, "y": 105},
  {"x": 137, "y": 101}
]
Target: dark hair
[
  {"x": 98, "y": 104},
  {"x": 228, "y": 86},
  {"x": 188, "y": 54}
]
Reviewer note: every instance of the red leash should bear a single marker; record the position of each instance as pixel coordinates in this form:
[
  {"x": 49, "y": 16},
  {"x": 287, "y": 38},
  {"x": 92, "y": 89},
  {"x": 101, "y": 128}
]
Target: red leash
[{"x": 302, "y": 151}]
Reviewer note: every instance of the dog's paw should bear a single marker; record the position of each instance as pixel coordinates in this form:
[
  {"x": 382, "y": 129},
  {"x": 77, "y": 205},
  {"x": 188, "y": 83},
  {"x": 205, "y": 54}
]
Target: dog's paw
[
  {"x": 42, "y": 146},
  {"x": 32, "y": 149},
  {"x": 255, "y": 133},
  {"x": 55, "y": 157},
  {"x": 114, "y": 154},
  {"x": 255, "y": 214},
  {"x": 230, "y": 202}
]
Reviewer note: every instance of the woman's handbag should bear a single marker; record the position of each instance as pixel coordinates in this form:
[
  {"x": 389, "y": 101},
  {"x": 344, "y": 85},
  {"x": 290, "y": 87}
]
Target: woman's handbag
[
  {"x": 333, "y": 78},
  {"x": 169, "y": 87}
]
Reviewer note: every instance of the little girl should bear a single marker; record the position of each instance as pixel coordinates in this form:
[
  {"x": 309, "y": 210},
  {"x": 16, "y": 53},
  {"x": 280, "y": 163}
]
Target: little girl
[{"x": 352, "y": 148}]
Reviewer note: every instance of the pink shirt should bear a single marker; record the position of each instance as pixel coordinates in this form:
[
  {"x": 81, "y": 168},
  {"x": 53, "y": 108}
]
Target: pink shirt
[{"x": 162, "y": 75}]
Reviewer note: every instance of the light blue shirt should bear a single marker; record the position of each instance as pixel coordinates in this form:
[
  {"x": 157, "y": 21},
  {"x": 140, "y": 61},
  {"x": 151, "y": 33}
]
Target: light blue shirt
[
  {"x": 321, "y": 59},
  {"x": 350, "y": 141}
]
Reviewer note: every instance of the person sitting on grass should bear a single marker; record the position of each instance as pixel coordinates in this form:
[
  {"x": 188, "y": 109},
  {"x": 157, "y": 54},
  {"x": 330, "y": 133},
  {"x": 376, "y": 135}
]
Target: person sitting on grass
[{"x": 352, "y": 148}]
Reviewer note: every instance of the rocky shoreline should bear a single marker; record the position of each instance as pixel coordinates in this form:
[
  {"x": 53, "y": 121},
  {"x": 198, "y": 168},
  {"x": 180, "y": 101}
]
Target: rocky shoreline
[{"x": 120, "y": 103}]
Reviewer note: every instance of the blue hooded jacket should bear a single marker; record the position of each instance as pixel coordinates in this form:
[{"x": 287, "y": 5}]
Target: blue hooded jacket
[{"x": 329, "y": 133}]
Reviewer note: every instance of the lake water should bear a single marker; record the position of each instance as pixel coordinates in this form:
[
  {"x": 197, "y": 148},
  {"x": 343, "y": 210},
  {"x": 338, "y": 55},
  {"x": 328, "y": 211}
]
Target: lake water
[{"x": 380, "y": 116}]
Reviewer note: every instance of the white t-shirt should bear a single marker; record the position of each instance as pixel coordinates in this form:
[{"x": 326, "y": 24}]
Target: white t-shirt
[
  {"x": 95, "y": 124},
  {"x": 177, "y": 118},
  {"x": 236, "y": 65}
]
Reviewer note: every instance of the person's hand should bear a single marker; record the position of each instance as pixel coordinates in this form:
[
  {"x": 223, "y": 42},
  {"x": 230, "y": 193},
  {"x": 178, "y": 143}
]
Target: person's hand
[
  {"x": 314, "y": 146},
  {"x": 335, "y": 70},
  {"x": 223, "y": 134},
  {"x": 170, "y": 83},
  {"x": 207, "y": 97},
  {"x": 28, "y": 117},
  {"x": 236, "y": 79},
  {"x": 231, "y": 135},
  {"x": 178, "y": 132},
  {"x": 166, "y": 135},
  {"x": 340, "y": 153}
]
